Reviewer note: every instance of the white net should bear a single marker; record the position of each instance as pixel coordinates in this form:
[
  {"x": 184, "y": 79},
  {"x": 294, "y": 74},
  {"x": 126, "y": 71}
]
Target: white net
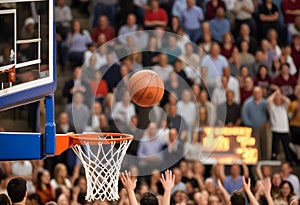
[{"x": 102, "y": 164}]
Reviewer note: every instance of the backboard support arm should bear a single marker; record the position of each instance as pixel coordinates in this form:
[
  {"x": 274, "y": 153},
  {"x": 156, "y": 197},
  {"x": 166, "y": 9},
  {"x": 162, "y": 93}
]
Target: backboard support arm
[{"x": 27, "y": 146}]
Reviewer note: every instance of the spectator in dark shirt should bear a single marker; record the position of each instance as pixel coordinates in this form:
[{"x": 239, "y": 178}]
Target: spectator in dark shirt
[
  {"x": 268, "y": 18},
  {"x": 263, "y": 80},
  {"x": 247, "y": 89},
  {"x": 229, "y": 113},
  {"x": 285, "y": 82},
  {"x": 176, "y": 121},
  {"x": 77, "y": 84},
  {"x": 211, "y": 8},
  {"x": 245, "y": 36},
  {"x": 296, "y": 51}
]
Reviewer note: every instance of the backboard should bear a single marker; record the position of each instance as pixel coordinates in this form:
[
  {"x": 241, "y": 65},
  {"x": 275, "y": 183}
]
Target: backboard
[
  {"x": 27, "y": 72},
  {"x": 27, "y": 51}
]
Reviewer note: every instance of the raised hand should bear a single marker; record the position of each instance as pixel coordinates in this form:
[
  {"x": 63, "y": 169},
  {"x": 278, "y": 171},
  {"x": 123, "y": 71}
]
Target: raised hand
[
  {"x": 168, "y": 180},
  {"x": 128, "y": 182},
  {"x": 246, "y": 186}
]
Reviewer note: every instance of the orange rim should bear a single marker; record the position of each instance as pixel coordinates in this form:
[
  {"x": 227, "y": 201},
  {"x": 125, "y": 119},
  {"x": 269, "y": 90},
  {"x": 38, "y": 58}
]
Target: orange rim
[{"x": 64, "y": 141}]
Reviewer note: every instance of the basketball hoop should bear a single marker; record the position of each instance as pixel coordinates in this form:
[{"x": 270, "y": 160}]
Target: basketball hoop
[{"x": 101, "y": 155}]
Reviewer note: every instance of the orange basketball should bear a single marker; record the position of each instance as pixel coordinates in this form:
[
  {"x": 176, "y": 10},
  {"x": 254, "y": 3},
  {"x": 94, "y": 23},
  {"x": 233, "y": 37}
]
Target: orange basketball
[{"x": 145, "y": 88}]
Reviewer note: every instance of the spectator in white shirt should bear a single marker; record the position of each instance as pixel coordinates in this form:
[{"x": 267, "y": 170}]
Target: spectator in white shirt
[{"x": 123, "y": 110}]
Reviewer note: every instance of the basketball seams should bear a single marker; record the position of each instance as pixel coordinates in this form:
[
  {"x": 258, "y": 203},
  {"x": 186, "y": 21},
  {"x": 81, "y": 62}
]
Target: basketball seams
[
  {"x": 145, "y": 89},
  {"x": 154, "y": 99}
]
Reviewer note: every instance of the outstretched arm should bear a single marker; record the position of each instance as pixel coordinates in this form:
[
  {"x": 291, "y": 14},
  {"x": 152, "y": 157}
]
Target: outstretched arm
[
  {"x": 267, "y": 191},
  {"x": 129, "y": 184},
  {"x": 247, "y": 190},
  {"x": 223, "y": 190},
  {"x": 168, "y": 182}
]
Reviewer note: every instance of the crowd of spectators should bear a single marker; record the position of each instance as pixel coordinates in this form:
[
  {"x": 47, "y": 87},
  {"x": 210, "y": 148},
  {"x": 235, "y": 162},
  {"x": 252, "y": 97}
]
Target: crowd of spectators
[{"x": 223, "y": 63}]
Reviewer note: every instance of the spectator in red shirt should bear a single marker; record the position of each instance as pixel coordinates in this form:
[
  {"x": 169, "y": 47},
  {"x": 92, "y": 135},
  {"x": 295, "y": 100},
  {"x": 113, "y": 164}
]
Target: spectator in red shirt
[
  {"x": 290, "y": 9},
  {"x": 155, "y": 16},
  {"x": 99, "y": 87},
  {"x": 247, "y": 90},
  {"x": 285, "y": 82},
  {"x": 211, "y": 8},
  {"x": 103, "y": 28}
]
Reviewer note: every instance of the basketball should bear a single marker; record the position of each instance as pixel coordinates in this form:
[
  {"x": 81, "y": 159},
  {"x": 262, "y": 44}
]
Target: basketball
[{"x": 145, "y": 88}]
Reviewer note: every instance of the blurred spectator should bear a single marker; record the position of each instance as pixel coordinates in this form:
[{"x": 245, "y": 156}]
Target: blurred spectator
[
  {"x": 78, "y": 112},
  {"x": 205, "y": 41},
  {"x": 63, "y": 18},
  {"x": 285, "y": 82},
  {"x": 129, "y": 27},
  {"x": 236, "y": 64},
  {"x": 296, "y": 51},
  {"x": 294, "y": 29},
  {"x": 99, "y": 87},
  {"x": 123, "y": 111},
  {"x": 258, "y": 121},
  {"x": 215, "y": 62},
  {"x": 172, "y": 50},
  {"x": 94, "y": 121},
  {"x": 111, "y": 72},
  {"x": 77, "y": 84},
  {"x": 173, "y": 150},
  {"x": 27, "y": 51},
  {"x": 178, "y": 69},
  {"x": 263, "y": 80},
  {"x": 175, "y": 84},
  {"x": 243, "y": 11},
  {"x": 219, "y": 93},
  {"x": 179, "y": 185},
  {"x": 178, "y": 7},
  {"x": 150, "y": 55},
  {"x": 286, "y": 174},
  {"x": 275, "y": 69},
  {"x": 244, "y": 35},
  {"x": 4, "y": 199},
  {"x": 175, "y": 120},
  {"x": 276, "y": 181},
  {"x": 247, "y": 89},
  {"x": 228, "y": 48},
  {"x": 191, "y": 18},
  {"x": 287, "y": 58},
  {"x": 174, "y": 24},
  {"x": 268, "y": 17},
  {"x": 103, "y": 7},
  {"x": 77, "y": 42},
  {"x": 218, "y": 173},
  {"x": 103, "y": 28},
  {"x": 290, "y": 10},
  {"x": 233, "y": 83},
  {"x": 277, "y": 106},
  {"x": 285, "y": 194},
  {"x": 246, "y": 57},
  {"x": 172, "y": 100},
  {"x": 259, "y": 60},
  {"x": 193, "y": 149},
  {"x": 219, "y": 25},
  {"x": 234, "y": 180},
  {"x": 210, "y": 108},
  {"x": 149, "y": 150},
  {"x": 190, "y": 58},
  {"x": 294, "y": 113},
  {"x": 211, "y": 8},
  {"x": 25, "y": 170},
  {"x": 187, "y": 108},
  {"x": 163, "y": 68},
  {"x": 43, "y": 187},
  {"x": 229, "y": 112},
  {"x": 60, "y": 177},
  {"x": 155, "y": 16}
]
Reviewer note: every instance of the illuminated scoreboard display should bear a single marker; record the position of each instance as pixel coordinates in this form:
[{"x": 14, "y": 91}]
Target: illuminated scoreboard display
[{"x": 229, "y": 144}]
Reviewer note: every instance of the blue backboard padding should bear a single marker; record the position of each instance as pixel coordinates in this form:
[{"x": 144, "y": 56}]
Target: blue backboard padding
[{"x": 20, "y": 146}]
